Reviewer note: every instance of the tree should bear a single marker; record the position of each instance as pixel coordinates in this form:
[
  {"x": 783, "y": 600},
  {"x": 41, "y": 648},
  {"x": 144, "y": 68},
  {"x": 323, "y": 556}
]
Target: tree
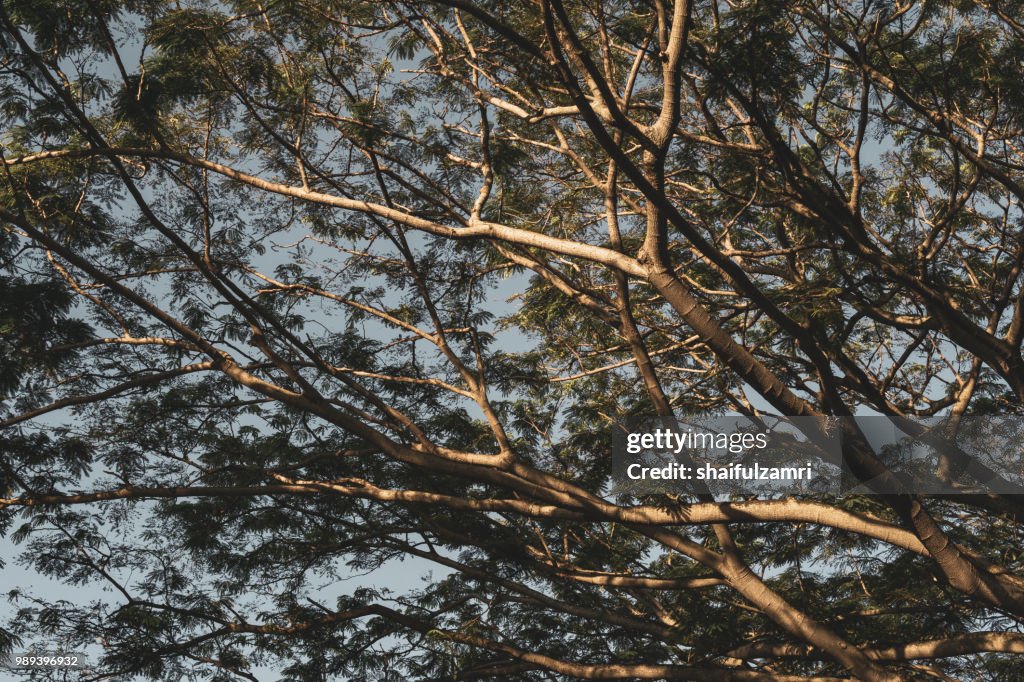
[{"x": 298, "y": 289}]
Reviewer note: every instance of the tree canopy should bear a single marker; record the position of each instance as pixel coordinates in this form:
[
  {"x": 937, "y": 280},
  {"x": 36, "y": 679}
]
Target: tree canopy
[{"x": 294, "y": 290}]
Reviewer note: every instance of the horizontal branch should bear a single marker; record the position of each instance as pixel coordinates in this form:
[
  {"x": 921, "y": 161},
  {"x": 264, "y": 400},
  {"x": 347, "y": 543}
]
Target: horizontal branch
[
  {"x": 639, "y": 582},
  {"x": 587, "y": 671},
  {"x": 477, "y": 229},
  {"x": 138, "y": 382},
  {"x": 956, "y": 645},
  {"x": 702, "y": 513}
]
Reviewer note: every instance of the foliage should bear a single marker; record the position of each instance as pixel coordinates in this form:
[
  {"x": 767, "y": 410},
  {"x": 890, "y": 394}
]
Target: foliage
[{"x": 298, "y": 291}]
